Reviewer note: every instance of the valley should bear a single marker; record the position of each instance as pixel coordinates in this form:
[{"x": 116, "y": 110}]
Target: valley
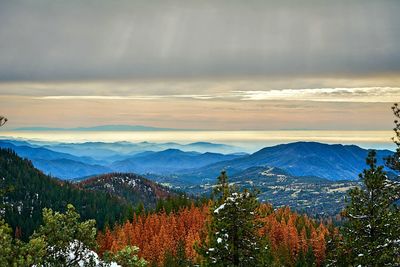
[{"x": 309, "y": 177}]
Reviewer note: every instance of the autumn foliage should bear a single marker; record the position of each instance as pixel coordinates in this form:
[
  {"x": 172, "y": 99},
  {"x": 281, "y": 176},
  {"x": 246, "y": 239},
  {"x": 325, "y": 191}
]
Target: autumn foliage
[
  {"x": 292, "y": 236},
  {"x": 158, "y": 233},
  {"x": 289, "y": 235}
]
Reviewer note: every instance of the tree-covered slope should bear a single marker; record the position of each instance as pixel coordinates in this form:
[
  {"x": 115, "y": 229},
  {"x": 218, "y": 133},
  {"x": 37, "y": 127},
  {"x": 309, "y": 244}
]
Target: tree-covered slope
[
  {"x": 28, "y": 191},
  {"x": 132, "y": 187},
  {"x": 312, "y": 195}
]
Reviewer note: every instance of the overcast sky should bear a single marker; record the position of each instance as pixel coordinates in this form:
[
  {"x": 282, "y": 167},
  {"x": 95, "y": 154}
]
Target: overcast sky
[{"x": 200, "y": 64}]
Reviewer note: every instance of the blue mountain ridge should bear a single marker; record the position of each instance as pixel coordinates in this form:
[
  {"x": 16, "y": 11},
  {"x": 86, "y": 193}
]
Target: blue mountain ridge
[
  {"x": 61, "y": 165},
  {"x": 333, "y": 162},
  {"x": 168, "y": 161},
  {"x": 68, "y": 166}
]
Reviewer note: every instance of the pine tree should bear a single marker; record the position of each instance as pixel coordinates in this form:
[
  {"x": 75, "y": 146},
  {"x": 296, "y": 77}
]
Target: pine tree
[
  {"x": 393, "y": 161},
  {"x": 127, "y": 257},
  {"x": 372, "y": 233},
  {"x": 221, "y": 189},
  {"x": 233, "y": 235},
  {"x": 14, "y": 252},
  {"x": 181, "y": 259},
  {"x": 68, "y": 241}
]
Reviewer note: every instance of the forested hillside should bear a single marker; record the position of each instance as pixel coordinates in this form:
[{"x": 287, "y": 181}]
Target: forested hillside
[
  {"x": 27, "y": 191},
  {"x": 131, "y": 187}
]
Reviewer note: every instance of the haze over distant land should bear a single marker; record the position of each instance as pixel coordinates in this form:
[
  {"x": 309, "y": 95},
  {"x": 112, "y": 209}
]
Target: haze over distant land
[
  {"x": 245, "y": 141},
  {"x": 209, "y": 65},
  {"x": 98, "y": 128}
]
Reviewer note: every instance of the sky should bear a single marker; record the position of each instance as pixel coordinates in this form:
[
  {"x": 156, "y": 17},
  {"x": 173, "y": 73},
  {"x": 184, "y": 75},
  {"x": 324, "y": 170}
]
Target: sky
[{"x": 212, "y": 65}]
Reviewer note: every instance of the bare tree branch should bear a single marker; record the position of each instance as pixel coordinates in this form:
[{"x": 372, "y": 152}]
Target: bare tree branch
[{"x": 3, "y": 120}]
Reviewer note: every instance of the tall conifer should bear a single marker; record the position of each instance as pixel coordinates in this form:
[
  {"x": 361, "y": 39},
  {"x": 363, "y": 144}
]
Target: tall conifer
[
  {"x": 233, "y": 234},
  {"x": 372, "y": 233}
]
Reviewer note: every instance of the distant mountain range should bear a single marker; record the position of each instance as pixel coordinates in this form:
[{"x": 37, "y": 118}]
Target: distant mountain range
[
  {"x": 169, "y": 161},
  {"x": 333, "y": 162},
  {"x": 122, "y": 150},
  {"x": 68, "y": 161},
  {"x": 308, "y": 176},
  {"x": 101, "y": 128}
]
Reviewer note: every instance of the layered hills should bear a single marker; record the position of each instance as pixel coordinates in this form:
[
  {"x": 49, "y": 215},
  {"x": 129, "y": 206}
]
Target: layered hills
[{"x": 67, "y": 161}]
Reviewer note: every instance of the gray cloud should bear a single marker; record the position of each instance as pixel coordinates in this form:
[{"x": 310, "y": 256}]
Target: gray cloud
[{"x": 100, "y": 40}]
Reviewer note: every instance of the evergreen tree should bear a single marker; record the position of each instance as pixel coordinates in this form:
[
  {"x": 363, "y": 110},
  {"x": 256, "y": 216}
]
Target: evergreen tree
[
  {"x": 233, "y": 233},
  {"x": 372, "y": 233},
  {"x": 61, "y": 241},
  {"x": 393, "y": 162},
  {"x": 14, "y": 252},
  {"x": 310, "y": 257},
  {"x": 178, "y": 260},
  {"x": 221, "y": 189},
  {"x": 25, "y": 191},
  {"x": 127, "y": 257},
  {"x": 68, "y": 241}
]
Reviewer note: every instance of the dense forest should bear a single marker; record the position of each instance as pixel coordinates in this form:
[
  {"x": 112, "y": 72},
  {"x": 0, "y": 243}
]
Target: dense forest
[
  {"x": 134, "y": 188},
  {"x": 27, "y": 191},
  {"x": 166, "y": 239}
]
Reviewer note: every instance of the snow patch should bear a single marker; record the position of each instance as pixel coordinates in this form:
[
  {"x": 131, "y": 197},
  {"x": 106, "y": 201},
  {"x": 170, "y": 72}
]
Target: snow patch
[{"x": 219, "y": 208}]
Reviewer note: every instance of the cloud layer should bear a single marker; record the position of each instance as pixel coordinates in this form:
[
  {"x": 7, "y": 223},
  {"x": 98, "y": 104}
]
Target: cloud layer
[
  {"x": 243, "y": 90},
  {"x": 102, "y": 40},
  {"x": 364, "y": 94},
  {"x": 361, "y": 94},
  {"x": 228, "y": 64}
]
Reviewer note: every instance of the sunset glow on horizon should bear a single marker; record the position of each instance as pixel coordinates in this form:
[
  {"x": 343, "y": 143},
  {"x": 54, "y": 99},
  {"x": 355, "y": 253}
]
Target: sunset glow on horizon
[{"x": 201, "y": 65}]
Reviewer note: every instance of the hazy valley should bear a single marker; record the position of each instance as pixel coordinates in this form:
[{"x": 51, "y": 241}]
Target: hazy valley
[{"x": 307, "y": 176}]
